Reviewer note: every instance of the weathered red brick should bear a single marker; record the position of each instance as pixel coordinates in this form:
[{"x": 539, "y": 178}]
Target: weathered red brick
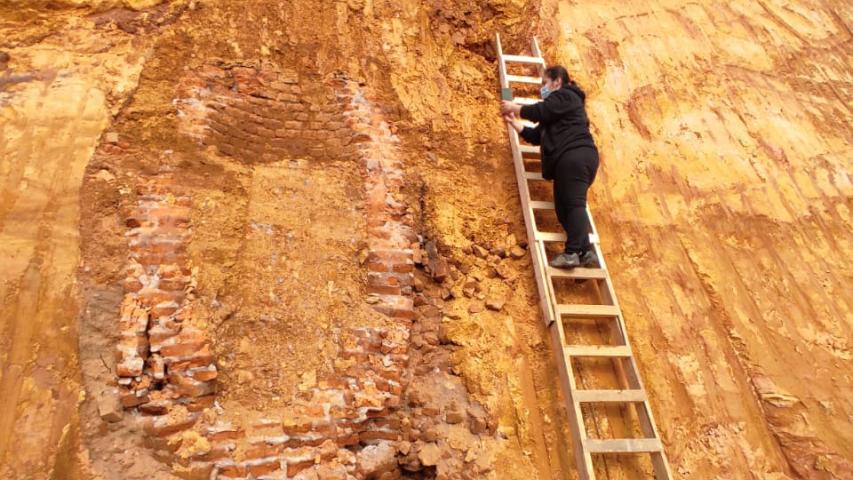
[
  {"x": 261, "y": 450},
  {"x": 218, "y": 433},
  {"x": 198, "y": 404},
  {"x": 263, "y": 466},
  {"x": 130, "y": 399},
  {"x": 372, "y": 435},
  {"x": 167, "y": 425},
  {"x": 181, "y": 349},
  {"x": 231, "y": 470}
]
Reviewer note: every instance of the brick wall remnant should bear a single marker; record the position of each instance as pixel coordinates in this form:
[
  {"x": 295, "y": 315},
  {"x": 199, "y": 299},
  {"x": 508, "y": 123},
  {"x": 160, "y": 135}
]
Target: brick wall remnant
[
  {"x": 319, "y": 425},
  {"x": 362, "y": 420},
  {"x": 262, "y": 114},
  {"x": 391, "y": 233},
  {"x": 162, "y": 358}
]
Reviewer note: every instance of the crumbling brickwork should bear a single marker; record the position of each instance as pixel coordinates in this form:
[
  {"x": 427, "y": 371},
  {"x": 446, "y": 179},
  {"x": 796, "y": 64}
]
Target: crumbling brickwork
[
  {"x": 163, "y": 357},
  {"x": 165, "y": 367},
  {"x": 262, "y": 114},
  {"x": 345, "y": 409},
  {"x": 392, "y": 238}
]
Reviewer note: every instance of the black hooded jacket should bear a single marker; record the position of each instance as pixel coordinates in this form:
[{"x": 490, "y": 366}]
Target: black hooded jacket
[{"x": 562, "y": 125}]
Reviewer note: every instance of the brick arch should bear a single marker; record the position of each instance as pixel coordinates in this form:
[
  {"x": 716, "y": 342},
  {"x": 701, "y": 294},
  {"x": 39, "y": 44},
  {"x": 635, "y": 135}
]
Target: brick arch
[
  {"x": 262, "y": 113},
  {"x": 165, "y": 369}
]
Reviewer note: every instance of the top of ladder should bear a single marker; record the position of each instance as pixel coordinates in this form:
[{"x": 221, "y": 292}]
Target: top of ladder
[{"x": 534, "y": 59}]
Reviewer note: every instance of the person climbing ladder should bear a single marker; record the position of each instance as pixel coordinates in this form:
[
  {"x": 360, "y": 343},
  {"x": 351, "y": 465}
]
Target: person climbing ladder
[{"x": 569, "y": 157}]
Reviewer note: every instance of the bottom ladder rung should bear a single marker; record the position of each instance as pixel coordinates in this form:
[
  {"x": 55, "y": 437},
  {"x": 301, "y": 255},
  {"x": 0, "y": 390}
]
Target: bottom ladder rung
[{"x": 623, "y": 445}]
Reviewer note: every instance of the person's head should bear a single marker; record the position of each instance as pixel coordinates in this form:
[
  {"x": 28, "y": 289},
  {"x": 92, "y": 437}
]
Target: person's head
[{"x": 554, "y": 78}]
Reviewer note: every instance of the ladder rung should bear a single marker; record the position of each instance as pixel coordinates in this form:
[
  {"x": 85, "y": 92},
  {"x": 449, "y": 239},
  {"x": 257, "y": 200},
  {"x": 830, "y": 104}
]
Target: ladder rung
[
  {"x": 540, "y": 205},
  {"x": 533, "y": 175},
  {"x": 525, "y": 100},
  {"x": 596, "y": 273},
  {"x": 523, "y": 79},
  {"x": 524, "y": 59},
  {"x": 529, "y": 149},
  {"x": 549, "y": 236},
  {"x": 623, "y": 445},
  {"x": 609, "y": 396},
  {"x": 619, "y": 351},
  {"x": 555, "y": 236},
  {"x": 570, "y": 310}
]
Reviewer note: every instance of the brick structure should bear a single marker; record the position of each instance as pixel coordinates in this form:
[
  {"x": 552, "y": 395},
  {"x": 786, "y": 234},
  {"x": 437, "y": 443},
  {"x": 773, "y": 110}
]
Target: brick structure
[
  {"x": 391, "y": 234},
  {"x": 162, "y": 357},
  {"x": 258, "y": 113},
  {"x": 164, "y": 362},
  {"x": 343, "y": 410}
]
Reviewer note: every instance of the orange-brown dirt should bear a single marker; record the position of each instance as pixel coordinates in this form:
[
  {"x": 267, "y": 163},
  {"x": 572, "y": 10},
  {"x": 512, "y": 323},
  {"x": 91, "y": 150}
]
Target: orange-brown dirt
[{"x": 723, "y": 204}]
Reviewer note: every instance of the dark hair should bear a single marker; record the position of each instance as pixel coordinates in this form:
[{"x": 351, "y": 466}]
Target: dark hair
[{"x": 558, "y": 71}]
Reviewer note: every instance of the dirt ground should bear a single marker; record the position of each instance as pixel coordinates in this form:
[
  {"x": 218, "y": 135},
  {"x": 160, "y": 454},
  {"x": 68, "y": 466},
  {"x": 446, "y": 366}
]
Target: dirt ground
[{"x": 723, "y": 202}]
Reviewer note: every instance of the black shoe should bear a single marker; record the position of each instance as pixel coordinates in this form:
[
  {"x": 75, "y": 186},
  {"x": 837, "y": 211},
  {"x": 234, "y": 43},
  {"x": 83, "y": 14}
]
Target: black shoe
[
  {"x": 589, "y": 259},
  {"x": 566, "y": 260}
]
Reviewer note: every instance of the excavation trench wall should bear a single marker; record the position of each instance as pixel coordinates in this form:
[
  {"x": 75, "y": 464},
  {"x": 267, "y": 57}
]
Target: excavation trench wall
[
  {"x": 314, "y": 181},
  {"x": 203, "y": 362}
]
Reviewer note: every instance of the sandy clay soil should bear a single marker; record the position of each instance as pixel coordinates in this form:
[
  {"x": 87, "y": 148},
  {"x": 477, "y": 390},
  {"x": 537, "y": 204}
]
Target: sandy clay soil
[{"x": 283, "y": 239}]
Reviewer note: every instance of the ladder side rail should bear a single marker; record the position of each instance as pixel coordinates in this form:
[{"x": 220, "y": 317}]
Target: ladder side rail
[
  {"x": 537, "y": 253},
  {"x": 537, "y": 249},
  {"x": 594, "y": 231},
  {"x": 630, "y": 377},
  {"x": 647, "y": 422},
  {"x": 501, "y": 63},
  {"x": 583, "y": 458},
  {"x": 534, "y": 47}
]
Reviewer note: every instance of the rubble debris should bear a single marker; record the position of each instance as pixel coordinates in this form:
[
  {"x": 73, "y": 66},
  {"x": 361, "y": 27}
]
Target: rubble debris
[
  {"x": 495, "y": 303},
  {"x": 375, "y": 460},
  {"x": 109, "y": 406},
  {"x": 437, "y": 266},
  {"x": 429, "y": 454}
]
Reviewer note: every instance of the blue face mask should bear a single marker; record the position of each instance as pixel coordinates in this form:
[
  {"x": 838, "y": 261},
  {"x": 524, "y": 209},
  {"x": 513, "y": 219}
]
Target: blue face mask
[{"x": 544, "y": 91}]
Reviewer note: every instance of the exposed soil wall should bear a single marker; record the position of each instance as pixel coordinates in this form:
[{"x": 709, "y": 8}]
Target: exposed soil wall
[{"x": 310, "y": 206}]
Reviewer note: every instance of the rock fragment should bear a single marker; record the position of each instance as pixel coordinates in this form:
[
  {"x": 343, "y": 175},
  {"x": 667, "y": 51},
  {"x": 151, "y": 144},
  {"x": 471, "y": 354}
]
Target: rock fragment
[
  {"x": 454, "y": 414},
  {"x": 437, "y": 265},
  {"x": 495, "y": 303},
  {"x": 504, "y": 271},
  {"x": 429, "y": 454},
  {"x": 109, "y": 406},
  {"x": 376, "y": 460}
]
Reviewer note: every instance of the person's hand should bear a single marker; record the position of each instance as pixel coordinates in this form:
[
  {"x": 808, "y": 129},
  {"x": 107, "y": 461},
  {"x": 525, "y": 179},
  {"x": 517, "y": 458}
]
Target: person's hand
[
  {"x": 508, "y": 107},
  {"x": 513, "y": 122}
]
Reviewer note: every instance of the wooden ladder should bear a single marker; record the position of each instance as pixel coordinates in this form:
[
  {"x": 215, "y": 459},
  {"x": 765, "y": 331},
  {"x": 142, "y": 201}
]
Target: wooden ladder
[{"x": 619, "y": 350}]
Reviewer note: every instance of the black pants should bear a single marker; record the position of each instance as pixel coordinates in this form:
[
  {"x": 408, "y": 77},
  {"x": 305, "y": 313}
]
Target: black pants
[{"x": 574, "y": 173}]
